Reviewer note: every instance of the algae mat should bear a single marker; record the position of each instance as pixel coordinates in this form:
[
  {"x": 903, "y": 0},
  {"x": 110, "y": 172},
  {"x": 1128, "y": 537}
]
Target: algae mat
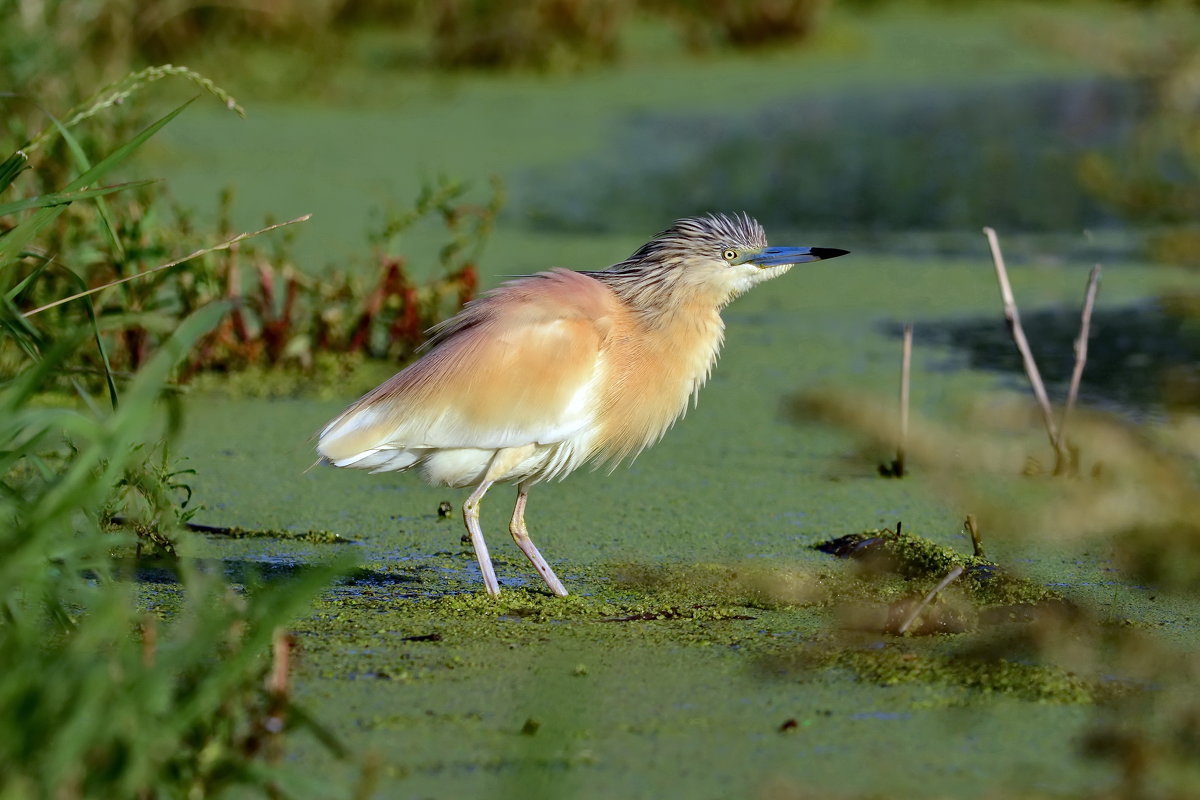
[{"x": 671, "y": 671}]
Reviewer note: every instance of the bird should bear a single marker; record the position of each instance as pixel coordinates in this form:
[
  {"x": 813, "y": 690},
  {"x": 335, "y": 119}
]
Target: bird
[{"x": 551, "y": 371}]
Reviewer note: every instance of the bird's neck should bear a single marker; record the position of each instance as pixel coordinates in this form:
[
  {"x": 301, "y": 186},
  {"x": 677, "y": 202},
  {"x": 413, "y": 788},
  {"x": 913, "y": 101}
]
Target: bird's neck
[
  {"x": 674, "y": 306},
  {"x": 655, "y": 370},
  {"x": 662, "y": 295}
]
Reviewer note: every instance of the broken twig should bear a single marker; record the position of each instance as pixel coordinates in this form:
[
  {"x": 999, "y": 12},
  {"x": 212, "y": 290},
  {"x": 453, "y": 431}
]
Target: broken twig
[
  {"x": 976, "y": 540},
  {"x": 916, "y": 612}
]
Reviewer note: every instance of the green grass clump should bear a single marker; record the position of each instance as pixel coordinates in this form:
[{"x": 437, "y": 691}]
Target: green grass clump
[
  {"x": 97, "y": 697},
  {"x": 130, "y": 250}
]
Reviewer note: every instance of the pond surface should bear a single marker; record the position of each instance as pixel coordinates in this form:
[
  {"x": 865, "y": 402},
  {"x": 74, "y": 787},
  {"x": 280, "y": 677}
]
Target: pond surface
[
  {"x": 685, "y": 664},
  {"x": 657, "y": 678}
]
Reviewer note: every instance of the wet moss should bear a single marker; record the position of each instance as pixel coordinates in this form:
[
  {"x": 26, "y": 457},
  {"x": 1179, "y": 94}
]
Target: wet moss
[
  {"x": 528, "y": 604},
  {"x": 890, "y": 666},
  {"x": 238, "y": 532},
  {"x": 914, "y": 559}
]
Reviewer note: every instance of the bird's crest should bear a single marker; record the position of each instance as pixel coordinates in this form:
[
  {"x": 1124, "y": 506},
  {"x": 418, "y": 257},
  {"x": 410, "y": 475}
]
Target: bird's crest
[
  {"x": 708, "y": 233},
  {"x": 720, "y": 229}
]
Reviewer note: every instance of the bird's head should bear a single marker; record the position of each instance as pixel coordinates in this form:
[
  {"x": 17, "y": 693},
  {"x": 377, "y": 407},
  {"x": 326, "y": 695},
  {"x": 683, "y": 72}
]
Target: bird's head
[{"x": 712, "y": 258}]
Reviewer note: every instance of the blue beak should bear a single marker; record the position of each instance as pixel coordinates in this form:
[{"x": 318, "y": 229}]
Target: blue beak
[{"x": 780, "y": 256}]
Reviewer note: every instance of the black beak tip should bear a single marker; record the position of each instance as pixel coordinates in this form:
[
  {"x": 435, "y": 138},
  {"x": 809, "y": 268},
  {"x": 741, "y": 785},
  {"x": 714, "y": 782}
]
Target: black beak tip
[{"x": 825, "y": 253}]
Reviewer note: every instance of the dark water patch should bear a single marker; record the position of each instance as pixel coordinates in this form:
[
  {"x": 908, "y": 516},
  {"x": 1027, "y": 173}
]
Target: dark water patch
[
  {"x": 1142, "y": 359},
  {"x": 239, "y": 571},
  {"x": 267, "y": 568},
  {"x": 879, "y": 160}
]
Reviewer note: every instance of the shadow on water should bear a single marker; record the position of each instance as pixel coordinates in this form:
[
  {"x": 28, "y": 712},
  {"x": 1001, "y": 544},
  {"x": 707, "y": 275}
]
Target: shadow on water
[
  {"x": 1142, "y": 360},
  {"x": 409, "y": 577},
  {"x": 268, "y": 569}
]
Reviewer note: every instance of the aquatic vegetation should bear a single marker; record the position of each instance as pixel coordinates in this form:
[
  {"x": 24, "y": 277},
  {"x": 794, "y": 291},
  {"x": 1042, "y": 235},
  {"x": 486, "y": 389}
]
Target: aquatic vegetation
[
  {"x": 284, "y": 317},
  {"x": 893, "y": 665},
  {"x": 1136, "y": 496},
  {"x": 278, "y": 315},
  {"x": 180, "y": 708},
  {"x": 915, "y": 558}
]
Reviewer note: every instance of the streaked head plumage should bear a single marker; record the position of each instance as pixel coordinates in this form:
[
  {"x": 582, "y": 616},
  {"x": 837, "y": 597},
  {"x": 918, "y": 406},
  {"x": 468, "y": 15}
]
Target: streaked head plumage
[
  {"x": 710, "y": 258},
  {"x": 707, "y": 236}
]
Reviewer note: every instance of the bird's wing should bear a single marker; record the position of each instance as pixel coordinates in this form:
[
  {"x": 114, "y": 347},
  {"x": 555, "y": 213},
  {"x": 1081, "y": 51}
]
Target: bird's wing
[{"x": 520, "y": 365}]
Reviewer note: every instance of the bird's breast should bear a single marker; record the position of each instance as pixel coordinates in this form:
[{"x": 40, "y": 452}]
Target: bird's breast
[{"x": 652, "y": 374}]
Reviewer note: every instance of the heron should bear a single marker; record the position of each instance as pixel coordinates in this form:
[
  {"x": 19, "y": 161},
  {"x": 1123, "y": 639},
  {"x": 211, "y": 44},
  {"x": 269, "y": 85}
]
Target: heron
[{"x": 555, "y": 370}]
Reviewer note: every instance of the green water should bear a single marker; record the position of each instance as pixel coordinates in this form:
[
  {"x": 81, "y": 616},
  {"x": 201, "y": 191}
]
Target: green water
[
  {"x": 637, "y": 687},
  {"x": 678, "y": 707}
]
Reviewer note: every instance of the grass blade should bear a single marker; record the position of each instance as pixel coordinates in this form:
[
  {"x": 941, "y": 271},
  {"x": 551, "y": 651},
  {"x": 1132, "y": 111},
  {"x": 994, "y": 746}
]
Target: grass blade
[
  {"x": 14, "y": 242},
  {"x": 13, "y": 166},
  {"x": 125, "y": 425},
  {"x": 15, "y": 291},
  {"x": 91, "y": 312},
  {"x": 84, "y": 164},
  {"x": 66, "y": 198}
]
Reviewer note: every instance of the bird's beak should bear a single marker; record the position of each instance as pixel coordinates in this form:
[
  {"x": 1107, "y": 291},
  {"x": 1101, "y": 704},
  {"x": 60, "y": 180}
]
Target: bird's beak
[{"x": 781, "y": 256}]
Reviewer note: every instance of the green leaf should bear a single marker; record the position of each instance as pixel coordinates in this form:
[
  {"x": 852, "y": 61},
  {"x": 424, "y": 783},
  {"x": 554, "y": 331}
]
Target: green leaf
[
  {"x": 14, "y": 242},
  {"x": 13, "y": 166},
  {"x": 125, "y": 425},
  {"x": 91, "y": 312},
  {"x": 15, "y": 291},
  {"x": 81, "y": 160}
]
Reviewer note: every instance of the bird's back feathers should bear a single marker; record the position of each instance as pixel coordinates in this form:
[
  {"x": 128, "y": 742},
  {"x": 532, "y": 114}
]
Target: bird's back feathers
[{"x": 507, "y": 371}]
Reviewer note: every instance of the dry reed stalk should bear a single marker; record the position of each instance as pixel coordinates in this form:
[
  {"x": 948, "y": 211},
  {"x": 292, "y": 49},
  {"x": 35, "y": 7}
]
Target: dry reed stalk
[
  {"x": 281, "y": 649},
  {"x": 1081, "y": 345},
  {"x": 905, "y": 373},
  {"x": 1013, "y": 318},
  {"x": 149, "y": 628},
  {"x": 201, "y": 252}
]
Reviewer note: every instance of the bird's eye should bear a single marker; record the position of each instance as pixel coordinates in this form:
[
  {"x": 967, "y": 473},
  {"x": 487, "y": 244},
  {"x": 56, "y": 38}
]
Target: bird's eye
[{"x": 729, "y": 255}]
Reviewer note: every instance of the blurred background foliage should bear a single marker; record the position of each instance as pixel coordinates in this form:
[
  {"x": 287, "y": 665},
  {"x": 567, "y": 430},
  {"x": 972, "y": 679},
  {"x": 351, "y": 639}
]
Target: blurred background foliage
[
  {"x": 1092, "y": 153},
  {"x": 121, "y": 35}
]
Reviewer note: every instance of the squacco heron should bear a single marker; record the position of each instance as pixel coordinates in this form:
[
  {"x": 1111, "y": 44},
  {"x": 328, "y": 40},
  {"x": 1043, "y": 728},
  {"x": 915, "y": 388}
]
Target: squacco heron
[{"x": 551, "y": 371}]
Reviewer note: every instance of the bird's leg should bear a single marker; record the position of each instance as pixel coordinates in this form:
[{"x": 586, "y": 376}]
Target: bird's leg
[
  {"x": 521, "y": 537},
  {"x": 471, "y": 517}
]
